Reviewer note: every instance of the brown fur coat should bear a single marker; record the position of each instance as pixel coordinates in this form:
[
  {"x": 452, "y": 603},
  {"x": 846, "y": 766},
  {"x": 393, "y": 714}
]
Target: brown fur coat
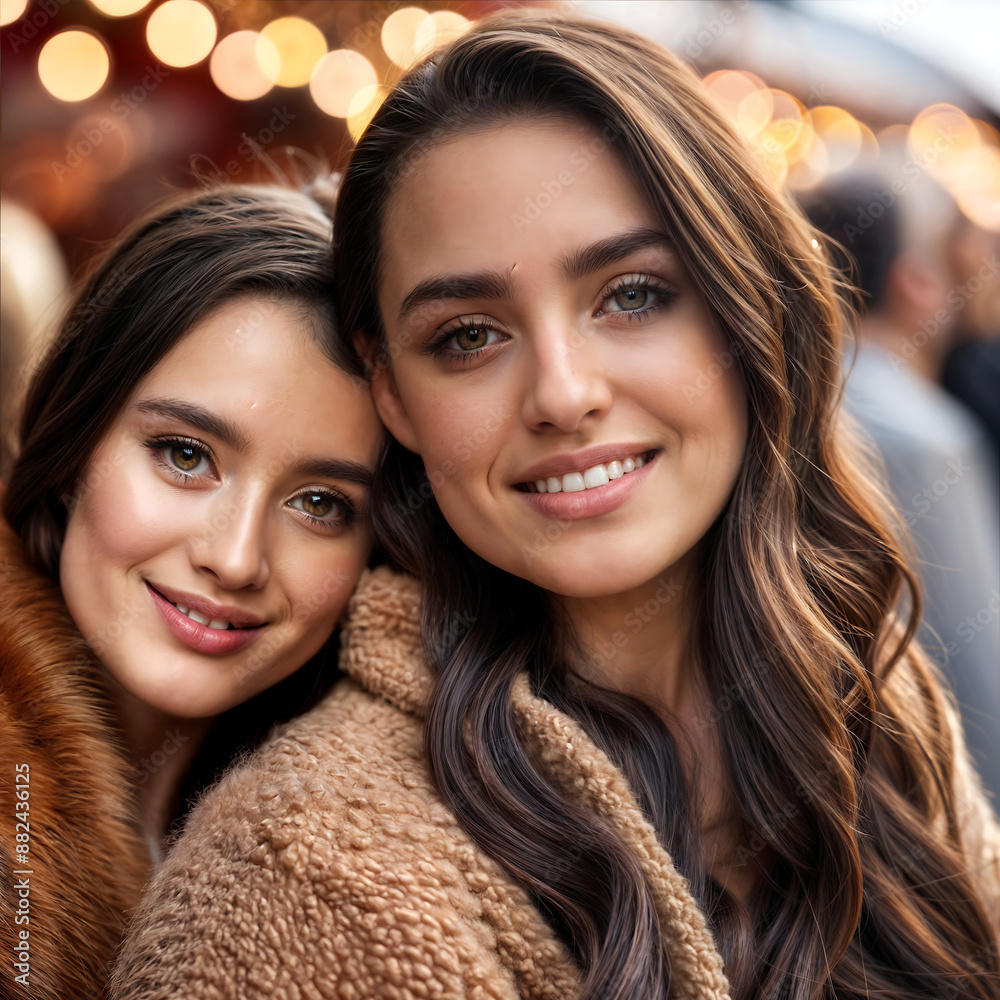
[
  {"x": 329, "y": 867},
  {"x": 86, "y": 862}
]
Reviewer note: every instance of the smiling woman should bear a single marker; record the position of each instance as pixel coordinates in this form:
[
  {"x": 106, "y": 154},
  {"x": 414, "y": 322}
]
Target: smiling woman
[
  {"x": 224, "y": 508},
  {"x": 191, "y": 503}
]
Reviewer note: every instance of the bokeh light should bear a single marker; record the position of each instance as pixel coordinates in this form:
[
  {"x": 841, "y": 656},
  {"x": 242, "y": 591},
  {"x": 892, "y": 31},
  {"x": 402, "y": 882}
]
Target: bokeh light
[
  {"x": 399, "y": 35},
  {"x": 941, "y": 137},
  {"x": 119, "y": 8},
  {"x": 963, "y": 155},
  {"x": 438, "y": 30},
  {"x": 300, "y": 46},
  {"x": 730, "y": 87},
  {"x": 337, "y": 78},
  {"x": 73, "y": 65},
  {"x": 840, "y": 133},
  {"x": 11, "y": 10},
  {"x": 244, "y": 65},
  {"x": 978, "y": 189},
  {"x": 107, "y": 143},
  {"x": 181, "y": 32},
  {"x": 363, "y": 107}
]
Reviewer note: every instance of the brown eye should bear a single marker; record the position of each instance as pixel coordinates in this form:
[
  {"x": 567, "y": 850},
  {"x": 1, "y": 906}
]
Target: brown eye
[
  {"x": 629, "y": 299},
  {"x": 185, "y": 457},
  {"x": 318, "y": 504},
  {"x": 471, "y": 338},
  {"x": 326, "y": 507}
]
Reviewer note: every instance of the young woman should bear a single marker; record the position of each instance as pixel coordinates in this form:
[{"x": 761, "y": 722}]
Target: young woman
[
  {"x": 664, "y": 734},
  {"x": 186, "y": 520}
]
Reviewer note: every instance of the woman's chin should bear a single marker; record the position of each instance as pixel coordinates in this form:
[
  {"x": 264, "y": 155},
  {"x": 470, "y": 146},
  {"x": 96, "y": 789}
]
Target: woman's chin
[
  {"x": 176, "y": 685},
  {"x": 594, "y": 581}
]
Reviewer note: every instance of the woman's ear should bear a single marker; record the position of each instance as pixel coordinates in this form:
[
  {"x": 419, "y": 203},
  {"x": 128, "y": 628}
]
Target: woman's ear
[{"x": 385, "y": 393}]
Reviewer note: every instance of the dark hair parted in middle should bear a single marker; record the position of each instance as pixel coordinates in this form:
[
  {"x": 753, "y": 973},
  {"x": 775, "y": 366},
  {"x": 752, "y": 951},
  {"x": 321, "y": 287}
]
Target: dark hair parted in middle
[{"x": 842, "y": 791}]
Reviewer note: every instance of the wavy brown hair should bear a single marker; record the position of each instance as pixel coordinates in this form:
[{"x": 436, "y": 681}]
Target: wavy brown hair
[{"x": 844, "y": 784}]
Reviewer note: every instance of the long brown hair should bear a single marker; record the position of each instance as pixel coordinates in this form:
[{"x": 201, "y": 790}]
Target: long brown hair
[{"x": 844, "y": 789}]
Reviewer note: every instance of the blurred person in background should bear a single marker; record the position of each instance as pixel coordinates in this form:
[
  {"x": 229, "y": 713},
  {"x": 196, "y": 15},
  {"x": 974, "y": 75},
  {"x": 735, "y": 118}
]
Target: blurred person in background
[
  {"x": 33, "y": 282},
  {"x": 972, "y": 369},
  {"x": 184, "y": 521},
  {"x": 641, "y": 718},
  {"x": 907, "y": 242}
]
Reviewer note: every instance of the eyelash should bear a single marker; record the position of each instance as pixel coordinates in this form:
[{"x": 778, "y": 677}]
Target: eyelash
[
  {"x": 158, "y": 445},
  {"x": 436, "y": 346},
  {"x": 349, "y": 512},
  {"x": 640, "y": 282}
]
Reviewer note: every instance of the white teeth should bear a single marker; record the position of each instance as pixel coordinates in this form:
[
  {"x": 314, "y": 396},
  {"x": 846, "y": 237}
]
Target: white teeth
[
  {"x": 197, "y": 616},
  {"x": 595, "y": 476}
]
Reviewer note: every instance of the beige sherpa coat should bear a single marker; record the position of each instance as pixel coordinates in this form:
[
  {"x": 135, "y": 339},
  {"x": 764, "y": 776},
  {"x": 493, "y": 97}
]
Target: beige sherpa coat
[{"x": 328, "y": 866}]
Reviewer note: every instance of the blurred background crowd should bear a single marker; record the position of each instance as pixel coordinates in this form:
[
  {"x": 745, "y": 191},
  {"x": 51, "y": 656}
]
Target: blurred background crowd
[{"x": 880, "y": 117}]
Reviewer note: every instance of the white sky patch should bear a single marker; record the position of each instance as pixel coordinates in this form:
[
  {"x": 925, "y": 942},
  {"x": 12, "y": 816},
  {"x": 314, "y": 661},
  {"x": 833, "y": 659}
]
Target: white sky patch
[{"x": 960, "y": 36}]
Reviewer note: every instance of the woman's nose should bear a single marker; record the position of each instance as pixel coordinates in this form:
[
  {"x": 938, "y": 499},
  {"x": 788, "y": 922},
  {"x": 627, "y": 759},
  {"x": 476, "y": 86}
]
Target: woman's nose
[
  {"x": 232, "y": 547},
  {"x": 566, "y": 382}
]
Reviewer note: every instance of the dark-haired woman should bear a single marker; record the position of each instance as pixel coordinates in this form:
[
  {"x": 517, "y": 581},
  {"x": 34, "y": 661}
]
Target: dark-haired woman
[
  {"x": 660, "y": 732},
  {"x": 184, "y": 523}
]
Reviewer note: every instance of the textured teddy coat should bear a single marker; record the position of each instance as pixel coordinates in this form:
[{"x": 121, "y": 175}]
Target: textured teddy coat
[
  {"x": 86, "y": 856},
  {"x": 327, "y": 866}
]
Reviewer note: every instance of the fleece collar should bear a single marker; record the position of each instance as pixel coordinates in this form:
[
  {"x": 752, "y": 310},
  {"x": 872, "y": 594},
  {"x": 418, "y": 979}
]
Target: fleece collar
[{"x": 382, "y": 651}]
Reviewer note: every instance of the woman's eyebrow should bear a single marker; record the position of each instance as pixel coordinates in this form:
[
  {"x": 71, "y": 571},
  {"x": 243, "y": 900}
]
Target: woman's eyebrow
[
  {"x": 611, "y": 249},
  {"x": 336, "y": 468},
  {"x": 497, "y": 286},
  {"x": 229, "y": 434},
  {"x": 199, "y": 418},
  {"x": 485, "y": 285}
]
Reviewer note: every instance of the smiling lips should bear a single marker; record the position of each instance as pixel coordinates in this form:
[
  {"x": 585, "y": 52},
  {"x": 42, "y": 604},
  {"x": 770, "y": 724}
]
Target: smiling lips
[
  {"x": 196, "y": 630},
  {"x": 590, "y": 483},
  {"x": 589, "y": 479}
]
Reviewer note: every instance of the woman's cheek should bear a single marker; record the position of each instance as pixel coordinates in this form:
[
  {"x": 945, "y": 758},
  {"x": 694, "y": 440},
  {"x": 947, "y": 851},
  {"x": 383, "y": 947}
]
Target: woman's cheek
[{"x": 324, "y": 585}]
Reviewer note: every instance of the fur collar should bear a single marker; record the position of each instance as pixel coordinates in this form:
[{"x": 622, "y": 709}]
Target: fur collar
[{"x": 87, "y": 860}]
